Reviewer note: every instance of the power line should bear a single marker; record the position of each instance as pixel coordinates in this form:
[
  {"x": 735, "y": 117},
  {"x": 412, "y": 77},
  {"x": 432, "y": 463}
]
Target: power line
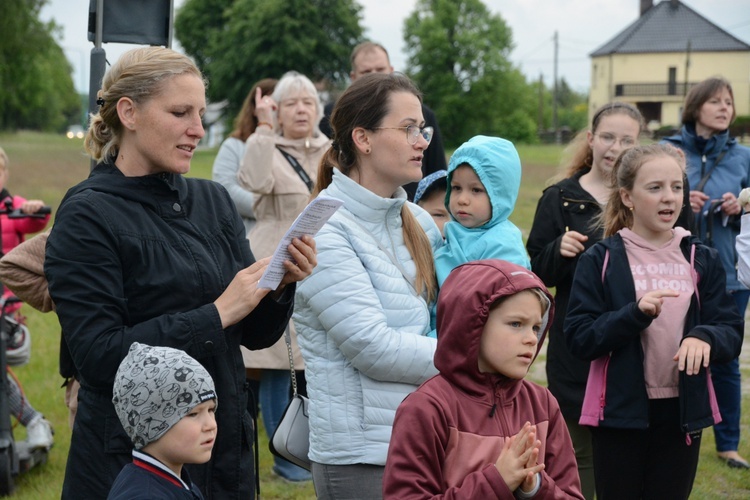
[{"x": 536, "y": 49}]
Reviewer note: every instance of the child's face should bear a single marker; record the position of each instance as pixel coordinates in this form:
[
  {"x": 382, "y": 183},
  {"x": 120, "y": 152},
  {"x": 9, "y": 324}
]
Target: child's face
[
  {"x": 509, "y": 340},
  {"x": 656, "y": 198},
  {"x": 614, "y": 134},
  {"x": 469, "y": 203},
  {"x": 435, "y": 206},
  {"x": 189, "y": 441}
]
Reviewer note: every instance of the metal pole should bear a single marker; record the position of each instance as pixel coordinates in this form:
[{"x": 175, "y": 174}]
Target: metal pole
[
  {"x": 170, "y": 32},
  {"x": 687, "y": 70},
  {"x": 554, "y": 97},
  {"x": 98, "y": 62}
]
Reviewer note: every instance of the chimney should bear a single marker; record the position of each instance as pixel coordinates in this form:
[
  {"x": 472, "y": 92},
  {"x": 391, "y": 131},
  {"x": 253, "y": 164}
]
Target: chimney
[{"x": 645, "y": 5}]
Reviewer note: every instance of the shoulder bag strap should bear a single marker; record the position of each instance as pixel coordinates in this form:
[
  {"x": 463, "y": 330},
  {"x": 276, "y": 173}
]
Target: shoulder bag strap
[
  {"x": 288, "y": 340},
  {"x": 298, "y": 168},
  {"x": 704, "y": 180}
]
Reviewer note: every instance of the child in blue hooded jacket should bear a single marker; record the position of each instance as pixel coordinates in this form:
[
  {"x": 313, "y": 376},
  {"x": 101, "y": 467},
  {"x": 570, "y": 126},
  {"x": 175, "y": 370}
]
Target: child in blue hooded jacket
[{"x": 484, "y": 176}]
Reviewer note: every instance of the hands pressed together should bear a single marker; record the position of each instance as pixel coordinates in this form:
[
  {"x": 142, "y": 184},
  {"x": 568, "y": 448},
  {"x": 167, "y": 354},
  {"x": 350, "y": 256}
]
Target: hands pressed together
[
  {"x": 517, "y": 462},
  {"x": 242, "y": 295}
]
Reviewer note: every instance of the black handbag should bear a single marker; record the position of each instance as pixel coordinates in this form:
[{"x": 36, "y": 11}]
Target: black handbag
[{"x": 291, "y": 439}]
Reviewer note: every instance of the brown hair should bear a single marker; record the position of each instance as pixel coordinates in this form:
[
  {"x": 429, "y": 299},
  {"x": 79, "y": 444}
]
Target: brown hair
[
  {"x": 364, "y": 105},
  {"x": 246, "y": 121},
  {"x": 140, "y": 74},
  {"x": 616, "y": 215},
  {"x": 366, "y": 47},
  {"x": 578, "y": 155},
  {"x": 698, "y": 95}
]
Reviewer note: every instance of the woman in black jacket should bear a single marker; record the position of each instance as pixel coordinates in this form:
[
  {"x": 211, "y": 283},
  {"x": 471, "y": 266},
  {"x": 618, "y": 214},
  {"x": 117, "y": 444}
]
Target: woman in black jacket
[{"x": 141, "y": 253}]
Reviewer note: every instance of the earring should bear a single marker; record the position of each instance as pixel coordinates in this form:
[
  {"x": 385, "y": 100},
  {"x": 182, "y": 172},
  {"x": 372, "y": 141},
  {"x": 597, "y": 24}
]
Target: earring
[
  {"x": 630, "y": 208},
  {"x": 367, "y": 151}
]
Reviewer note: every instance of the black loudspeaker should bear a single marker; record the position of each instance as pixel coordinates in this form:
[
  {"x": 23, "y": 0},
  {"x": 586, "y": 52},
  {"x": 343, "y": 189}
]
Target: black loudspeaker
[{"x": 142, "y": 22}]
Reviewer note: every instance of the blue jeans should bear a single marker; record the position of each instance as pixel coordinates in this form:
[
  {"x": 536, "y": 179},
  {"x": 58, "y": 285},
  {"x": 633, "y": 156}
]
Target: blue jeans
[
  {"x": 726, "y": 378},
  {"x": 274, "y": 397}
]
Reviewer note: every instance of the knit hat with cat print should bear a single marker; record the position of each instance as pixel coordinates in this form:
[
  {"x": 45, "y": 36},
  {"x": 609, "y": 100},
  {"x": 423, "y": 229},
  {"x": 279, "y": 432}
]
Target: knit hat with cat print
[{"x": 155, "y": 387}]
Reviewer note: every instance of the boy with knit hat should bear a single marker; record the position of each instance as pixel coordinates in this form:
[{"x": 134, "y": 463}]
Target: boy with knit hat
[{"x": 165, "y": 401}]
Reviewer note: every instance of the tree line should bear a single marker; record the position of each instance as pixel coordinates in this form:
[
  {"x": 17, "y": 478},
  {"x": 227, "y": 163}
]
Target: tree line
[
  {"x": 36, "y": 86},
  {"x": 458, "y": 52}
]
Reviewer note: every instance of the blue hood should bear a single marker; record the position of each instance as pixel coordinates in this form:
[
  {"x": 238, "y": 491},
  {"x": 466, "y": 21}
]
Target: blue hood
[{"x": 498, "y": 167}]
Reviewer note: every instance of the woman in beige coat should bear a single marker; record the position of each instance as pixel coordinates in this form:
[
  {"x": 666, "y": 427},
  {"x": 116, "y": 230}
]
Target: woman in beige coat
[{"x": 279, "y": 167}]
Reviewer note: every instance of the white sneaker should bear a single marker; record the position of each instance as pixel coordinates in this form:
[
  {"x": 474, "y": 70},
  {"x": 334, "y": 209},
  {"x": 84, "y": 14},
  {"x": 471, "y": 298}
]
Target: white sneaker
[{"x": 39, "y": 433}]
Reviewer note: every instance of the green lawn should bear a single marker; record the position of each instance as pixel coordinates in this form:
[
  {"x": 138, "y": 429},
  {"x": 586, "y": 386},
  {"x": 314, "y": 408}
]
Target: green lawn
[{"x": 44, "y": 166}]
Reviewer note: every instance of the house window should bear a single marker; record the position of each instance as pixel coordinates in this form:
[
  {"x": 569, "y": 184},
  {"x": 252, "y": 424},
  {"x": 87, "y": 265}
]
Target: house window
[{"x": 672, "y": 84}]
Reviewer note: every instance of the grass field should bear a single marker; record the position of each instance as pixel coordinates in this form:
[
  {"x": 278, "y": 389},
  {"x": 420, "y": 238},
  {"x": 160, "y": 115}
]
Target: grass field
[{"x": 45, "y": 166}]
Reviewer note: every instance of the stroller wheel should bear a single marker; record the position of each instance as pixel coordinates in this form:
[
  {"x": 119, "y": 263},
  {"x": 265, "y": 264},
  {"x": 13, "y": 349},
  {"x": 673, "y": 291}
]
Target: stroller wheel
[{"x": 6, "y": 472}]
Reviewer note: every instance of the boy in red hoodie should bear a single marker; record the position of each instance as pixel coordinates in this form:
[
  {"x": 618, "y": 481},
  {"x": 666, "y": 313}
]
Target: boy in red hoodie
[{"x": 477, "y": 429}]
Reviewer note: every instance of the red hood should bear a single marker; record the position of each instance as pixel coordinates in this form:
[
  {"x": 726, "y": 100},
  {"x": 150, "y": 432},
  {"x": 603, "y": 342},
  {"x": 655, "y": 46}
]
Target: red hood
[{"x": 463, "y": 306}]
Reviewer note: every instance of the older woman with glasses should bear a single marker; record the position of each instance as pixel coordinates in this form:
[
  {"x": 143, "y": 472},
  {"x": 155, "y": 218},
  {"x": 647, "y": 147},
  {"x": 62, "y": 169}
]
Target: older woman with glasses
[{"x": 363, "y": 318}]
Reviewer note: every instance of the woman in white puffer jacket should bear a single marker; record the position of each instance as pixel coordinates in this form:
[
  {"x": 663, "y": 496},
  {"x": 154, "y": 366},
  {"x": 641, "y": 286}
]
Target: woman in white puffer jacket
[{"x": 362, "y": 317}]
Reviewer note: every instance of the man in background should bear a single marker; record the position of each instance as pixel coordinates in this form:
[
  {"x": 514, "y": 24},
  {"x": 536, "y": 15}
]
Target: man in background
[{"x": 370, "y": 57}]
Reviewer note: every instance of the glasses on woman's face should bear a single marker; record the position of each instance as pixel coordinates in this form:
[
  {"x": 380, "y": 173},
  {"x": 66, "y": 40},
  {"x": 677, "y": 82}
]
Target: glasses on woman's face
[
  {"x": 609, "y": 140},
  {"x": 413, "y": 132}
]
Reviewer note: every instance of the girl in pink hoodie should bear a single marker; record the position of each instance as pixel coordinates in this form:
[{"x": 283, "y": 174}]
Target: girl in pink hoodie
[{"x": 648, "y": 307}]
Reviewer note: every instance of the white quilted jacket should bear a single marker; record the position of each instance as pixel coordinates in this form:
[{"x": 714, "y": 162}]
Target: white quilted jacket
[{"x": 361, "y": 328}]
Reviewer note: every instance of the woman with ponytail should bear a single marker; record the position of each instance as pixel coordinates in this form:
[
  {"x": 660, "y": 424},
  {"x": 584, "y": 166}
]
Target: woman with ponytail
[
  {"x": 362, "y": 317},
  {"x": 142, "y": 253}
]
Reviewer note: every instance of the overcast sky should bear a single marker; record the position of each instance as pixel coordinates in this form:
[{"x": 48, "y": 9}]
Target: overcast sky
[{"x": 582, "y": 26}]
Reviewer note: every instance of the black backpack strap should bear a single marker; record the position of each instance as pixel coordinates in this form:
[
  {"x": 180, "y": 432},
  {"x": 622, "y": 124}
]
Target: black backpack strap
[{"x": 298, "y": 168}]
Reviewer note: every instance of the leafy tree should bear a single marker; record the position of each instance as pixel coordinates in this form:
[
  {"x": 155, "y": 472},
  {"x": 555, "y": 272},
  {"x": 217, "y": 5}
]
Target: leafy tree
[
  {"x": 258, "y": 39},
  {"x": 459, "y": 52},
  {"x": 572, "y": 106},
  {"x": 36, "y": 87},
  {"x": 196, "y": 24}
]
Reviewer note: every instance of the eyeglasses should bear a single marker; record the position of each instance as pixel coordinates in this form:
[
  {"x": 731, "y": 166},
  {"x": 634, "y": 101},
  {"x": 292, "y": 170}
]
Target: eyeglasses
[
  {"x": 610, "y": 139},
  {"x": 413, "y": 132}
]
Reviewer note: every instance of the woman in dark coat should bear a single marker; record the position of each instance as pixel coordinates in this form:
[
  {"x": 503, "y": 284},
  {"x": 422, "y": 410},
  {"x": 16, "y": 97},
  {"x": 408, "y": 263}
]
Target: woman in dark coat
[{"x": 141, "y": 253}]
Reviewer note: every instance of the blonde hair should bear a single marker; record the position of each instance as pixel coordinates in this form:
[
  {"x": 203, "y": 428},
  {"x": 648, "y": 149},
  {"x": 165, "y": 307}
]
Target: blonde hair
[
  {"x": 616, "y": 215},
  {"x": 544, "y": 302},
  {"x": 139, "y": 74},
  {"x": 4, "y": 160},
  {"x": 365, "y": 104}
]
